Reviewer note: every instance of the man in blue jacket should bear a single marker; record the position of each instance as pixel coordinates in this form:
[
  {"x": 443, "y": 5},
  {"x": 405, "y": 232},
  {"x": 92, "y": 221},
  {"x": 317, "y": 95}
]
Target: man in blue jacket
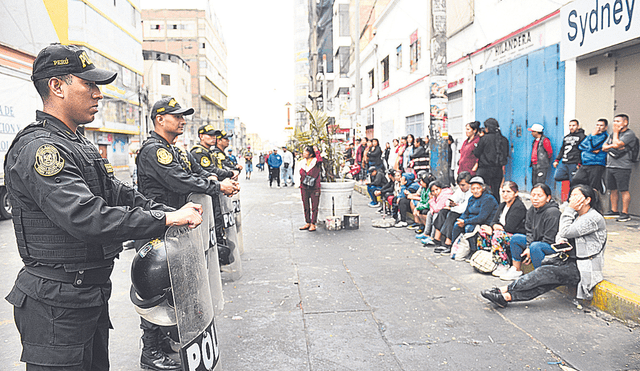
[
  {"x": 275, "y": 161},
  {"x": 594, "y": 159}
]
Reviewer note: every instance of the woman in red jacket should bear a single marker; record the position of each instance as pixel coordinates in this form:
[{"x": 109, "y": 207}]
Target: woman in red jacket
[{"x": 310, "y": 188}]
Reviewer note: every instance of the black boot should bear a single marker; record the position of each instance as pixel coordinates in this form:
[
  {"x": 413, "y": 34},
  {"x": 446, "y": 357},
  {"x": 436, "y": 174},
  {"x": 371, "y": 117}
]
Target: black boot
[{"x": 153, "y": 358}]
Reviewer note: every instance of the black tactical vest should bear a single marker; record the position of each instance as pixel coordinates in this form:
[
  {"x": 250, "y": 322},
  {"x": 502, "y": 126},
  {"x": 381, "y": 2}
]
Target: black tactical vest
[{"x": 38, "y": 237}]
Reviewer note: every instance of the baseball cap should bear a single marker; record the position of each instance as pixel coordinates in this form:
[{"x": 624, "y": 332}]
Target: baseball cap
[
  {"x": 169, "y": 105},
  {"x": 207, "y": 129},
  {"x": 222, "y": 134},
  {"x": 477, "y": 179},
  {"x": 537, "y": 127},
  {"x": 57, "y": 60}
]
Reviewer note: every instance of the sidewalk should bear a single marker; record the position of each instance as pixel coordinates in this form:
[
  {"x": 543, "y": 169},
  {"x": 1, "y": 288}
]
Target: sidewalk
[{"x": 619, "y": 293}]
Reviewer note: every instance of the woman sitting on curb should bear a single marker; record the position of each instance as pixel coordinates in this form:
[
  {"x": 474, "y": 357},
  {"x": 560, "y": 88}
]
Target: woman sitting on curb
[
  {"x": 438, "y": 198},
  {"x": 581, "y": 222},
  {"x": 480, "y": 210},
  {"x": 447, "y": 217},
  {"x": 509, "y": 220},
  {"x": 541, "y": 225}
]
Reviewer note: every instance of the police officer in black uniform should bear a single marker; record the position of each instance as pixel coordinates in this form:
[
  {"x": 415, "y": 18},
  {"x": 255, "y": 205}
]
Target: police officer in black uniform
[
  {"x": 202, "y": 153},
  {"x": 167, "y": 174},
  {"x": 222, "y": 142},
  {"x": 70, "y": 216}
]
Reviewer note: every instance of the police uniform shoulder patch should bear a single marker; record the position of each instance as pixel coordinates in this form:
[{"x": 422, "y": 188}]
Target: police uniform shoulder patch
[
  {"x": 205, "y": 162},
  {"x": 164, "y": 157},
  {"x": 49, "y": 162}
]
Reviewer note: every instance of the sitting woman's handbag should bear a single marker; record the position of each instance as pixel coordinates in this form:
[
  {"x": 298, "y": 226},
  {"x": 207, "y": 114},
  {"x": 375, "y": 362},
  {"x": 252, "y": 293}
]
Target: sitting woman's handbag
[
  {"x": 482, "y": 261},
  {"x": 309, "y": 181}
]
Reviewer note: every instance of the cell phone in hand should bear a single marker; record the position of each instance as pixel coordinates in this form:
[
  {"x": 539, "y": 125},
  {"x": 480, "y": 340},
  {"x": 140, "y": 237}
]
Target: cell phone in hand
[{"x": 561, "y": 247}]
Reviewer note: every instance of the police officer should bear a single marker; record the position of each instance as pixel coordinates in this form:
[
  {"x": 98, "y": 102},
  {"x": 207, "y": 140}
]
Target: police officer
[
  {"x": 202, "y": 153},
  {"x": 167, "y": 174},
  {"x": 71, "y": 216},
  {"x": 222, "y": 142}
]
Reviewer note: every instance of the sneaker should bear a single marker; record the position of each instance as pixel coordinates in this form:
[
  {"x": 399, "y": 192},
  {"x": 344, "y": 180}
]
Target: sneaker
[
  {"x": 414, "y": 226},
  {"x": 421, "y": 236},
  {"x": 495, "y": 296},
  {"x": 611, "y": 214},
  {"x": 380, "y": 211},
  {"x": 419, "y": 230},
  {"x": 374, "y": 204},
  {"x": 511, "y": 275},
  {"x": 623, "y": 218},
  {"x": 400, "y": 224},
  {"x": 284, "y": 185},
  {"x": 429, "y": 241},
  {"x": 441, "y": 249},
  {"x": 500, "y": 270},
  {"x": 446, "y": 251}
]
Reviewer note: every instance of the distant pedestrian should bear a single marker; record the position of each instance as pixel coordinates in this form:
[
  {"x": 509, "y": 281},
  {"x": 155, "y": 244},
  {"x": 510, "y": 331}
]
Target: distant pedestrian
[
  {"x": 310, "y": 188},
  {"x": 619, "y": 147},
  {"x": 275, "y": 162},
  {"x": 287, "y": 166},
  {"x": 492, "y": 152},
  {"x": 593, "y": 158},
  {"x": 393, "y": 154},
  {"x": 261, "y": 161},
  {"x": 468, "y": 161},
  {"x": 248, "y": 163},
  {"x": 541, "y": 154},
  {"x": 568, "y": 158},
  {"x": 374, "y": 155},
  {"x": 386, "y": 154}
]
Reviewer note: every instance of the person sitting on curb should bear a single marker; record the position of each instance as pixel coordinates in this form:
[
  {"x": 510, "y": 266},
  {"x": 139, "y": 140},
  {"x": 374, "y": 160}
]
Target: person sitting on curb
[
  {"x": 377, "y": 181},
  {"x": 582, "y": 223},
  {"x": 386, "y": 190},
  {"x": 438, "y": 197},
  {"x": 457, "y": 204},
  {"x": 404, "y": 204},
  {"x": 541, "y": 225},
  {"x": 509, "y": 220},
  {"x": 480, "y": 210}
]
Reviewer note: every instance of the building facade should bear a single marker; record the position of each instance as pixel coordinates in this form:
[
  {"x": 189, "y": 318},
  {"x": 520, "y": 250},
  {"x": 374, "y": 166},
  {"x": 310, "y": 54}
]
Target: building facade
[
  {"x": 301, "y": 61},
  {"x": 111, "y": 34},
  {"x": 194, "y": 35}
]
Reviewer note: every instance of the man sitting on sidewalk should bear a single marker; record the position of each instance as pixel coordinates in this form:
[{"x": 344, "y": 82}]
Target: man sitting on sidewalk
[{"x": 377, "y": 181}]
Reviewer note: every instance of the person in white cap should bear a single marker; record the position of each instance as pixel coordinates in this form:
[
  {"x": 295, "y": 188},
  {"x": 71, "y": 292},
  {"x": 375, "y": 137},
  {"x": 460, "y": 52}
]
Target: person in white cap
[{"x": 541, "y": 155}]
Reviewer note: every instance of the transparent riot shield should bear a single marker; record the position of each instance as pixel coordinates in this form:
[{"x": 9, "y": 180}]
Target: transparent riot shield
[
  {"x": 207, "y": 231},
  {"x": 192, "y": 299},
  {"x": 238, "y": 216},
  {"x": 233, "y": 270}
]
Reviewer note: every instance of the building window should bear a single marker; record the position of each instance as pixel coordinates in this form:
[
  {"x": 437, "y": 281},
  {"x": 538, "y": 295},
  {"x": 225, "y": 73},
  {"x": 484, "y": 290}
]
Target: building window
[
  {"x": 414, "y": 51},
  {"x": 343, "y": 18},
  {"x": 166, "y": 79},
  {"x": 156, "y": 27},
  {"x": 372, "y": 80},
  {"x": 385, "y": 72},
  {"x": 343, "y": 55},
  {"x": 203, "y": 45},
  {"x": 415, "y": 125},
  {"x": 399, "y": 56}
]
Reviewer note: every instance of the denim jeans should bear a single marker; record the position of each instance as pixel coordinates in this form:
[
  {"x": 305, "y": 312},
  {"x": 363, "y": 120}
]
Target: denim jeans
[
  {"x": 537, "y": 249},
  {"x": 286, "y": 174},
  {"x": 371, "y": 189},
  {"x": 565, "y": 172}
]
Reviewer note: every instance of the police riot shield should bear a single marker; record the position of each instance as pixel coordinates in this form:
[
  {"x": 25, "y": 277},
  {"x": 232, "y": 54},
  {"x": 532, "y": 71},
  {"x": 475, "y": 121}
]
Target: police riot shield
[
  {"x": 207, "y": 232},
  {"x": 238, "y": 217},
  {"x": 233, "y": 270},
  {"x": 192, "y": 299}
]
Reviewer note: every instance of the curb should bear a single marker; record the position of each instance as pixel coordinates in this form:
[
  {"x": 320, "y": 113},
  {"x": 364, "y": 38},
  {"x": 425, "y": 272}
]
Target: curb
[{"x": 607, "y": 297}]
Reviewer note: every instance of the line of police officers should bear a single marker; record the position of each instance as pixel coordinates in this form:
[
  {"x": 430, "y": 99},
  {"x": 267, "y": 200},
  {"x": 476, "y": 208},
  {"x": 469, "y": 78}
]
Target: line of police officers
[{"x": 71, "y": 215}]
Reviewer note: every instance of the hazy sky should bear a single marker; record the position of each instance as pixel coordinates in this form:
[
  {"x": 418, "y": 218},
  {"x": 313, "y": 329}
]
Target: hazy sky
[{"x": 259, "y": 39}]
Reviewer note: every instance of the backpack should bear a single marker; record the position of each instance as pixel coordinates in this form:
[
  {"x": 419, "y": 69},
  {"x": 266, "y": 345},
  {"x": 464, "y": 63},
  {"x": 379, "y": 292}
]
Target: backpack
[
  {"x": 502, "y": 149},
  {"x": 635, "y": 150}
]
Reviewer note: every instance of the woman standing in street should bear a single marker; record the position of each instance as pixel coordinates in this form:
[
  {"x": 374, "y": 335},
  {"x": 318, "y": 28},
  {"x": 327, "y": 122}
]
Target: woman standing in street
[
  {"x": 310, "y": 188},
  {"x": 468, "y": 161}
]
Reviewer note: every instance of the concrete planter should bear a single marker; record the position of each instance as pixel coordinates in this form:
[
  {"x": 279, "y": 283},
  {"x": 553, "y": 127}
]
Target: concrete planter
[{"x": 335, "y": 197}]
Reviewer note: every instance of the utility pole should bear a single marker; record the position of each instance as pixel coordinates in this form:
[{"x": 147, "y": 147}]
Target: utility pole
[
  {"x": 313, "y": 54},
  {"x": 358, "y": 93},
  {"x": 438, "y": 125}
]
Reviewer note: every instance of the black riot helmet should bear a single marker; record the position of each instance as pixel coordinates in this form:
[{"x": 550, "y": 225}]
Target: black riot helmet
[{"x": 151, "y": 285}]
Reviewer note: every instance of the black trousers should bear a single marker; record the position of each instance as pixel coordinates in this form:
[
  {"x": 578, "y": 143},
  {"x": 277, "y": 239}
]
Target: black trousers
[
  {"x": 543, "y": 279},
  {"x": 590, "y": 175},
  {"x": 445, "y": 222},
  {"x": 274, "y": 175},
  {"x": 492, "y": 176},
  {"x": 404, "y": 206}
]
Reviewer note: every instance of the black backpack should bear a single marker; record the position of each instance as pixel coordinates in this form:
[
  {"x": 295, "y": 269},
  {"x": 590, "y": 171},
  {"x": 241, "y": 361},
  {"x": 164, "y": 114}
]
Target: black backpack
[
  {"x": 502, "y": 149},
  {"x": 635, "y": 150}
]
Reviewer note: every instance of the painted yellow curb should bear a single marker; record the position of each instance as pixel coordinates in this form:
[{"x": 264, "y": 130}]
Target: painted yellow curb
[{"x": 616, "y": 301}]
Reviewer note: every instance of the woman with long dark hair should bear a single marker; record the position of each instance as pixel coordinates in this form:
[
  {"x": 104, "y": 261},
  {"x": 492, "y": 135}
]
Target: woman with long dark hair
[
  {"x": 468, "y": 161},
  {"x": 310, "y": 188},
  {"x": 583, "y": 228}
]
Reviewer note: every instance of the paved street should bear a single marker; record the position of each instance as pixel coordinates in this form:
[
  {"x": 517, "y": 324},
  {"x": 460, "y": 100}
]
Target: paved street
[{"x": 370, "y": 299}]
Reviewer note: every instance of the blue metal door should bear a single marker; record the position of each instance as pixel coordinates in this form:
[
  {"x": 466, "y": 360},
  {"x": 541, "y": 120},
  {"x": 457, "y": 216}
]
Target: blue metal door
[{"x": 520, "y": 93}]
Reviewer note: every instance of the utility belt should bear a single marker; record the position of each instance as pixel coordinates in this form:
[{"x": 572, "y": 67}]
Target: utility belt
[{"x": 81, "y": 278}]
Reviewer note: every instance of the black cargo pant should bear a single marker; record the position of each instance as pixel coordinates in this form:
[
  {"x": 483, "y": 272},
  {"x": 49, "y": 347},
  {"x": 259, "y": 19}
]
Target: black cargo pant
[{"x": 543, "y": 279}]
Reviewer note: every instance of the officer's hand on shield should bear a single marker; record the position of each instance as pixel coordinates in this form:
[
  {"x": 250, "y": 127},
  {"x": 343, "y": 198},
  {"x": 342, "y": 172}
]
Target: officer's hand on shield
[
  {"x": 229, "y": 187},
  {"x": 190, "y": 214},
  {"x": 236, "y": 173}
]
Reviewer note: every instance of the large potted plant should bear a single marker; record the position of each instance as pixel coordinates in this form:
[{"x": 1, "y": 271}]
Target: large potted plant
[{"x": 336, "y": 193}]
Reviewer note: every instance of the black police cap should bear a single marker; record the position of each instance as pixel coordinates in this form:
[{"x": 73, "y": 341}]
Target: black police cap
[
  {"x": 169, "y": 105},
  {"x": 222, "y": 134},
  {"x": 58, "y": 60},
  {"x": 207, "y": 129}
]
